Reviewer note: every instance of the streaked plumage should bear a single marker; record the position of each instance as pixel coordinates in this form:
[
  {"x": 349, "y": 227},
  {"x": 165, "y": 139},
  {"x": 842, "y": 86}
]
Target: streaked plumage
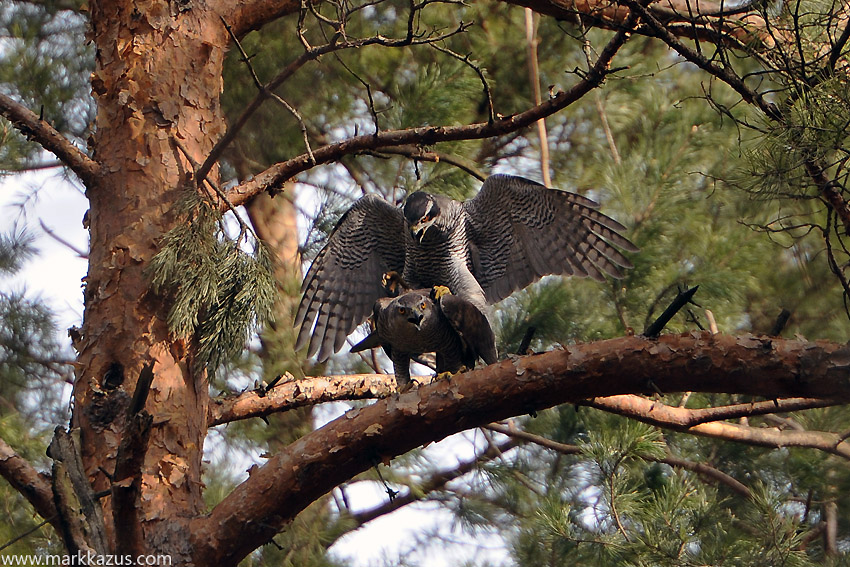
[
  {"x": 417, "y": 322},
  {"x": 506, "y": 237}
]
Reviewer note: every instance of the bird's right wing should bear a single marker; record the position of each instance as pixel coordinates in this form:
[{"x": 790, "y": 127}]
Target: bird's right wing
[
  {"x": 521, "y": 231},
  {"x": 344, "y": 280}
]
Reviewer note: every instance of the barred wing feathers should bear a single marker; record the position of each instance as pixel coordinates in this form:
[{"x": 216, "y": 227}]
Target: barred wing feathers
[
  {"x": 344, "y": 280},
  {"x": 521, "y": 230}
]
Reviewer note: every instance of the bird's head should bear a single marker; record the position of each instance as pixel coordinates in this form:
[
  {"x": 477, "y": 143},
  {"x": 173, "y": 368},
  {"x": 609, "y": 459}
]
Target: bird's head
[
  {"x": 412, "y": 307},
  {"x": 421, "y": 211}
]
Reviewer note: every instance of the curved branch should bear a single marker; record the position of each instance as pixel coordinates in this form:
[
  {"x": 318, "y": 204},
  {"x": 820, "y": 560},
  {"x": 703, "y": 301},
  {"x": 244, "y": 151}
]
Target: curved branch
[
  {"x": 275, "y": 176},
  {"x": 34, "y": 128},
  {"x": 565, "y": 449},
  {"x": 310, "y": 467},
  {"x": 661, "y": 415},
  {"x": 437, "y": 481}
]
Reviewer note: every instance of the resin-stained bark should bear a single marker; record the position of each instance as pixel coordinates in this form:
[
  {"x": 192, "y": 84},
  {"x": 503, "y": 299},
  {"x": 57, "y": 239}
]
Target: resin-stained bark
[{"x": 157, "y": 83}]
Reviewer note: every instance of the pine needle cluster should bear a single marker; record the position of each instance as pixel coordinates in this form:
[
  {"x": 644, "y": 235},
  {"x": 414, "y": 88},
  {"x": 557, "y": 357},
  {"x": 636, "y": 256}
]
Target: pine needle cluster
[{"x": 219, "y": 291}]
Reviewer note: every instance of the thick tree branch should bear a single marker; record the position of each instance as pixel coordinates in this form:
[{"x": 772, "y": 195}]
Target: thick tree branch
[
  {"x": 740, "y": 25},
  {"x": 299, "y": 393},
  {"x": 275, "y": 176},
  {"x": 34, "y": 128},
  {"x": 565, "y": 449},
  {"x": 249, "y": 15},
  {"x": 661, "y": 415},
  {"x": 31, "y": 484},
  {"x": 276, "y": 492}
]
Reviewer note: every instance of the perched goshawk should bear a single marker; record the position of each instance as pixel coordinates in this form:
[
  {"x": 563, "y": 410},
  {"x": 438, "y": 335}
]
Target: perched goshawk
[
  {"x": 506, "y": 237},
  {"x": 421, "y": 321}
]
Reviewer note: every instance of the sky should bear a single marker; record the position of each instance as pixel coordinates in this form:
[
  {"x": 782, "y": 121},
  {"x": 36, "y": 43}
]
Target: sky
[{"x": 45, "y": 202}]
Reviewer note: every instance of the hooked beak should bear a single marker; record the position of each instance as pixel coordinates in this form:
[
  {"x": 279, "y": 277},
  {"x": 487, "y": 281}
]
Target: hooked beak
[
  {"x": 418, "y": 230},
  {"x": 416, "y": 319}
]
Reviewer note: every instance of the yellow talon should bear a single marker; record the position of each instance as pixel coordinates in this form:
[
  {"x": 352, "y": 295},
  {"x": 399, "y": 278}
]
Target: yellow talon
[{"x": 440, "y": 290}]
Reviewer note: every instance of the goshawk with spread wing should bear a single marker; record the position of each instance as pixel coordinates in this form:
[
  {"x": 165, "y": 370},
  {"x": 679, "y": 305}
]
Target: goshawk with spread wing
[{"x": 506, "y": 237}]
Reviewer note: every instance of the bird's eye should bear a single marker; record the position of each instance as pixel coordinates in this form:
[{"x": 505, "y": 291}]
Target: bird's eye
[
  {"x": 422, "y": 305},
  {"x": 402, "y": 310}
]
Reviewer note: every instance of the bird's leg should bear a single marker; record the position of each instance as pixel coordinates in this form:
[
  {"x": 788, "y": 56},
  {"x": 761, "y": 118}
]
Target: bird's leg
[
  {"x": 444, "y": 367},
  {"x": 401, "y": 368},
  {"x": 439, "y": 291},
  {"x": 394, "y": 284}
]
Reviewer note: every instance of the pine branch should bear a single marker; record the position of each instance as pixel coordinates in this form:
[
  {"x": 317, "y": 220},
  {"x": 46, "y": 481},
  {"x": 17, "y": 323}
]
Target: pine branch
[
  {"x": 565, "y": 449},
  {"x": 660, "y": 415},
  {"x": 275, "y": 176},
  {"x": 437, "y": 481},
  {"x": 638, "y": 407},
  {"x": 266, "y": 91},
  {"x": 816, "y": 170},
  {"x": 34, "y": 128},
  {"x": 276, "y": 492},
  {"x": 31, "y": 484}
]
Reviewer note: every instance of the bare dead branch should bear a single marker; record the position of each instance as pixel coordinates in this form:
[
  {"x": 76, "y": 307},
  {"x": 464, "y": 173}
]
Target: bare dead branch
[
  {"x": 349, "y": 445},
  {"x": 36, "y": 129},
  {"x": 680, "y": 417},
  {"x": 78, "y": 507},
  {"x": 127, "y": 479},
  {"x": 273, "y": 177},
  {"x": 299, "y": 393}
]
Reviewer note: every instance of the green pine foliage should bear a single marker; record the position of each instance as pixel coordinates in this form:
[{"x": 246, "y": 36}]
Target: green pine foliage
[
  {"x": 711, "y": 194},
  {"x": 33, "y": 367},
  {"x": 220, "y": 293}
]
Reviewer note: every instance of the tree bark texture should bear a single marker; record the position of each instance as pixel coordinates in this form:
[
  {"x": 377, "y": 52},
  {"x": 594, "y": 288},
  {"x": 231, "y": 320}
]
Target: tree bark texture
[
  {"x": 156, "y": 85},
  {"x": 157, "y": 82},
  {"x": 353, "y": 443}
]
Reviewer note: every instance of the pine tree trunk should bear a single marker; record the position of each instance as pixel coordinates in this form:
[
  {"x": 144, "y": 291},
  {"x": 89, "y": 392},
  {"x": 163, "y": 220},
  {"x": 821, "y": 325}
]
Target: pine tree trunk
[{"x": 157, "y": 85}]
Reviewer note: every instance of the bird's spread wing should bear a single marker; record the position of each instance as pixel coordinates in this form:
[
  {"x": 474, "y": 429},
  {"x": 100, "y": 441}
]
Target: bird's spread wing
[
  {"x": 345, "y": 279},
  {"x": 472, "y": 326},
  {"x": 520, "y": 231}
]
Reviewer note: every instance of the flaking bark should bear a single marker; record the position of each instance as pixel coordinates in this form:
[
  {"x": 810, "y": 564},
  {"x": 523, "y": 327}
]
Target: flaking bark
[{"x": 321, "y": 460}]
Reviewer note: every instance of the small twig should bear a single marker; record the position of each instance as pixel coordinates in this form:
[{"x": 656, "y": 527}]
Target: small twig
[
  {"x": 780, "y": 323},
  {"x": 30, "y": 531},
  {"x": 491, "y": 112},
  {"x": 390, "y": 492},
  {"x": 712, "y": 323},
  {"x": 525, "y": 343},
  {"x": 681, "y": 299},
  {"x": 78, "y": 251}
]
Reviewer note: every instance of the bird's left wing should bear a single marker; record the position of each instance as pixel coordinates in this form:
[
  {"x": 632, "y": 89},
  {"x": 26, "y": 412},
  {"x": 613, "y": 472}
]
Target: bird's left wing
[
  {"x": 344, "y": 280},
  {"x": 521, "y": 230}
]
